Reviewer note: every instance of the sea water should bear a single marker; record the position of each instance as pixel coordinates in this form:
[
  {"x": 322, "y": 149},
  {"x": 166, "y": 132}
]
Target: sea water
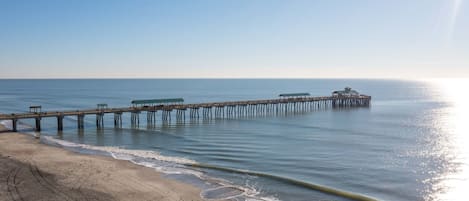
[{"x": 408, "y": 145}]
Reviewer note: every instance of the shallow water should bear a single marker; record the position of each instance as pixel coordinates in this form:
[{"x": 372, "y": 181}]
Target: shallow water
[{"x": 407, "y": 146}]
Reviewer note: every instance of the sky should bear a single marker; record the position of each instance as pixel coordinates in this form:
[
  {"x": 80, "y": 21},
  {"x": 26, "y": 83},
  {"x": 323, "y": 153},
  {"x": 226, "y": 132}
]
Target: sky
[{"x": 234, "y": 39}]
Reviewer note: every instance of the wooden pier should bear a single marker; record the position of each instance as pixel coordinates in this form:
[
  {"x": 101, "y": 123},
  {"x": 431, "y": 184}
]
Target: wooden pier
[{"x": 215, "y": 110}]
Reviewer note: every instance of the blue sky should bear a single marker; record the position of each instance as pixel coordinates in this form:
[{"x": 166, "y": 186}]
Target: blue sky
[{"x": 235, "y": 39}]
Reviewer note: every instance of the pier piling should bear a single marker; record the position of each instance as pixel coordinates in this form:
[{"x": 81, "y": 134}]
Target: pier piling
[
  {"x": 60, "y": 124},
  {"x": 135, "y": 118},
  {"x": 118, "y": 119},
  {"x": 81, "y": 121},
  {"x": 38, "y": 124},
  {"x": 100, "y": 120},
  {"x": 151, "y": 117},
  {"x": 14, "y": 123}
]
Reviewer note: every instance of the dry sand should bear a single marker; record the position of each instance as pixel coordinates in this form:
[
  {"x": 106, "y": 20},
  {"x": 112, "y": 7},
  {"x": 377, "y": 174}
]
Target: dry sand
[{"x": 30, "y": 170}]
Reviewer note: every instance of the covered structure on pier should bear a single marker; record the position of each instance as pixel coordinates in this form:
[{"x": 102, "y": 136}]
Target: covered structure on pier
[
  {"x": 35, "y": 108},
  {"x": 101, "y": 106},
  {"x": 157, "y": 102},
  {"x": 294, "y": 95},
  {"x": 346, "y": 92}
]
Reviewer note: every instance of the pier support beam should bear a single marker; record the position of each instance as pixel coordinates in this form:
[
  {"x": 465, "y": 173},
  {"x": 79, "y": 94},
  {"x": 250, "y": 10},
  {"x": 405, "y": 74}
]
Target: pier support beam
[
  {"x": 207, "y": 112},
  {"x": 81, "y": 121},
  {"x": 14, "y": 123},
  {"x": 166, "y": 116},
  {"x": 100, "y": 120},
  {"x": 151, "y": 117},
  {"x": 219, "y": 112},
  {"x": 194, "y": 112},
  {"x": 135, "y": 118},
  {"x": 38, "y": 124},
  {"x": 118, "y": 119},
  {"x": 181, "y": 115},
  {"x": 60, "y": 122}
]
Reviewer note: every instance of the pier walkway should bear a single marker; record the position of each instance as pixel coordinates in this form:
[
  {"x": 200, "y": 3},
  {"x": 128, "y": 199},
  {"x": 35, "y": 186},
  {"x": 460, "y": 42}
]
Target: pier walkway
[{"x": 216, "y": 110}]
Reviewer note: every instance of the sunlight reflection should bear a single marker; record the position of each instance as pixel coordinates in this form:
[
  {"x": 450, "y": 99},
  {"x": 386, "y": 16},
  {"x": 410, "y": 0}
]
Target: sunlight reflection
[{"x": 454, "y": 123}]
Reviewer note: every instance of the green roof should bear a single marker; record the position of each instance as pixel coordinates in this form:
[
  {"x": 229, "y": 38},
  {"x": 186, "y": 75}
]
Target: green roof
[
  {"x": 157, "y": 101},
  {"x": 101, "y": 105},
  {"x": 294, "y": 94}
]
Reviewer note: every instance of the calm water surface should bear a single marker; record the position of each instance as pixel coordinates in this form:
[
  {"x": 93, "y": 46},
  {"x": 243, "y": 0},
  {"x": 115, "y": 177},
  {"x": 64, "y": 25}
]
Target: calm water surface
[{"x": 411, "y": 144}]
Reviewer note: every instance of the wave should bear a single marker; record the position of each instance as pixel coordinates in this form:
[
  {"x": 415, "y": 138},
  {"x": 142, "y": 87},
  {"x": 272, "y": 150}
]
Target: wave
[
  {"x": 316, "y": 187},
  {"x": 6, "y": 123},
  {"x": 221, "y": 189},
  {"x": 218, "y": 189},
  {"x": 23, "y": 127},
  {"x": 121, "y": 153}
]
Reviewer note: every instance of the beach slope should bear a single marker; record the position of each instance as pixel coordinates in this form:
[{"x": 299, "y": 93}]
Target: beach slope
[{"x": 30, "y": 170}]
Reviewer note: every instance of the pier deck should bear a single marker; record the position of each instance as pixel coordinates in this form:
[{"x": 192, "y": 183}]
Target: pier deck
[{"x": 228, "y": 109}]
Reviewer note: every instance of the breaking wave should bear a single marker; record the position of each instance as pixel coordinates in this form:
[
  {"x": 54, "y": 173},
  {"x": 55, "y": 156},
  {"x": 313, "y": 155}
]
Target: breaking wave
[{"x": 212, "y": 188}]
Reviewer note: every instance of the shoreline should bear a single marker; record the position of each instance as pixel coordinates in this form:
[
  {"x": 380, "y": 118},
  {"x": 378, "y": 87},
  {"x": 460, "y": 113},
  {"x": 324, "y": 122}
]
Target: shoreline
[{"x": 32, "y": 170}]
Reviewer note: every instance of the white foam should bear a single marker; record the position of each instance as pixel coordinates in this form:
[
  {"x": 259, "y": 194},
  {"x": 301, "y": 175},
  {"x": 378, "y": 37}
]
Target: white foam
[
  {"x": 167, "y": 165},
  {"x": 20, "y": 126},
  {"x": 7, "y": 124},
  {"x": 248, "y": 192},
  {"x": 122, "y": 154}
]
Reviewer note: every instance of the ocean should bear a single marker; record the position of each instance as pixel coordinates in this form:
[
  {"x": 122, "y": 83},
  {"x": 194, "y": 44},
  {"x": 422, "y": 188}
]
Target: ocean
[{"x": 410, "y": 144}]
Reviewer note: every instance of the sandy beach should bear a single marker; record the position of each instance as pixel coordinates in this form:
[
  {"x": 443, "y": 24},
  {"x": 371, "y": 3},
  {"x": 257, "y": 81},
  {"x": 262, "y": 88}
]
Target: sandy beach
[{"x": 30, "y": 170}]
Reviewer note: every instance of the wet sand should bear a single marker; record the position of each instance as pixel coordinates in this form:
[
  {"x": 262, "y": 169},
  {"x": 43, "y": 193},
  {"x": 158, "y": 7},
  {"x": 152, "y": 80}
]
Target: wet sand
[{"x": 30, "y": 170}]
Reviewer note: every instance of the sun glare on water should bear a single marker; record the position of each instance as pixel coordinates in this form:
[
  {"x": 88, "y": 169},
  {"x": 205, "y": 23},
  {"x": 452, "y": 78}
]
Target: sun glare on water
[{"x": 454, "y": 183}]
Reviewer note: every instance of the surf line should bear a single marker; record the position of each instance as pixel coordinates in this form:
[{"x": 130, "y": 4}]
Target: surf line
[{"x": 316, "y": 187}]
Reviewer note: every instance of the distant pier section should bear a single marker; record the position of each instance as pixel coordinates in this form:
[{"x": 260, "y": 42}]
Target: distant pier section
[{"x": 287, "y": 103}]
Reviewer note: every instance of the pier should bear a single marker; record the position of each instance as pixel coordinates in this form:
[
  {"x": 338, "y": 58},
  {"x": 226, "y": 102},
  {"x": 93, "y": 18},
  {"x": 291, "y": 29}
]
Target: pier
[{"x": 284, "y": 105}]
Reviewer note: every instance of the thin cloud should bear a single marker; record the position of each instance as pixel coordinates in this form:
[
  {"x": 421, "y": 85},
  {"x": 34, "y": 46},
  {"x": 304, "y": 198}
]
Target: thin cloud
[{"x": 452, "y": 20}]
